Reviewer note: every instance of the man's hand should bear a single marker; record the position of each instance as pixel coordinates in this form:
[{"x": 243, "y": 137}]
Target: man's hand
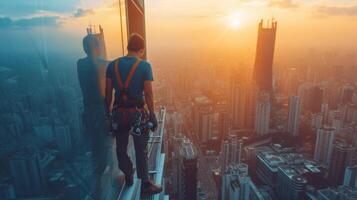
[{"x": 153, "y": 120}]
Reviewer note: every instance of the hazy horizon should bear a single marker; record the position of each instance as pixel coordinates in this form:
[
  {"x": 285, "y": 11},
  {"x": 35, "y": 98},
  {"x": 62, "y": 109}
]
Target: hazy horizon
[{"x": 175, "y": 28}]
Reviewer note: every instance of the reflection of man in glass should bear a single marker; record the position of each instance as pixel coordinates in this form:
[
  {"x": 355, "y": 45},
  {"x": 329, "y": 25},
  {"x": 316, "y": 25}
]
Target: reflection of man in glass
[{"x": 91, "y": 75}]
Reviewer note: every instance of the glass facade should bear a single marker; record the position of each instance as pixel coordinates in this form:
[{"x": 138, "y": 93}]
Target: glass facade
[{"x": 53, "y": 141}]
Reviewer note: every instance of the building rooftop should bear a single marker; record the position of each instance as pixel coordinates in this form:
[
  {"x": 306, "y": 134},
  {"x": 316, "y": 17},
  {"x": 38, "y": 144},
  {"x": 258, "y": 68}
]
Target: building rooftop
[
  {"x": 203, "y": 100},
  {"x": 188, "y": 150},
  {"x": 341, "y": 192},
  {"x": 293, "y": 164}
]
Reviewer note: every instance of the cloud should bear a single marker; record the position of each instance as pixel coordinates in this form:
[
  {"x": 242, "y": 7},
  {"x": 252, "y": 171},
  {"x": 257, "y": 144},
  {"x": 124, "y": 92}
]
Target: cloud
[
  {"x": 338, "y": 10},
  {"x": 289, "y": 4},
  {"x": 21, "y": 8},
  {"x": 83, "y": 12},
  {"x": 6, "y": 22}
]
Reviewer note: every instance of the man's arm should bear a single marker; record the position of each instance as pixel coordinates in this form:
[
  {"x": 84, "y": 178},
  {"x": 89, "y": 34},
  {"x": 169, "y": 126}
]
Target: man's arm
[
  {"x": 149, "y": 96},
  {"x": 108, "y": 94}
]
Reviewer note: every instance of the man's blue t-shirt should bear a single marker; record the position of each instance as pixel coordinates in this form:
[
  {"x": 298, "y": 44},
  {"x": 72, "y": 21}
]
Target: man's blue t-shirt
[{"x": 136, "y": 87}]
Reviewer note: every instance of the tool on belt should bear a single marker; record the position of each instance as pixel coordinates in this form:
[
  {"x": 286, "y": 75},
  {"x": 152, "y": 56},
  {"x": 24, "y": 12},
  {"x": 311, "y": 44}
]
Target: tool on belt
[{"x": 127, "y": 111}]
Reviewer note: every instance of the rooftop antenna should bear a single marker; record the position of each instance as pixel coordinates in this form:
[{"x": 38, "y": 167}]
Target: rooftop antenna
[{"x": 90, "y": 27}]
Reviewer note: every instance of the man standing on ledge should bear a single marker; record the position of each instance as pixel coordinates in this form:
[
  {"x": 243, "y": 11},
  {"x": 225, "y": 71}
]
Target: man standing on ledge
[{"x": 131, "y": 78}]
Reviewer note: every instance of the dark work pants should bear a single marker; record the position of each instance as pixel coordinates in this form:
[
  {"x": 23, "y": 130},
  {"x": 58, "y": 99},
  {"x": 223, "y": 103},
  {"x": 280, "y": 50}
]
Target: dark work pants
[{"x": 141, "y": 153}]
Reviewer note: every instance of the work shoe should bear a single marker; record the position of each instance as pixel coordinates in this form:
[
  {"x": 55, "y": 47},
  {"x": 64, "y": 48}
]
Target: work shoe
[
  {"x": 149, "y": 188},
  {"x": 129, "y": 178}
]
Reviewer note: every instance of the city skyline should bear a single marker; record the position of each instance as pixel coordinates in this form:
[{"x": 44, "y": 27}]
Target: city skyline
[{"x": 254, "y": 100}]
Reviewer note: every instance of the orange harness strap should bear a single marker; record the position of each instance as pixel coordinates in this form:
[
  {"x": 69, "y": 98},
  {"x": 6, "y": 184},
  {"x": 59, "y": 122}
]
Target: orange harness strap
[{"x": 124, "y": 86}]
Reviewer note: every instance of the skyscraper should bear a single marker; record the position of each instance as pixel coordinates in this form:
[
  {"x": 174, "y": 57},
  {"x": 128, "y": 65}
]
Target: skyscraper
[
  {"x": 231, "y": 181},
  {"x": 202, "y": 118},
  {"x": 251, "y": 105},
  {"x": 63, "y": 140},
  {"x": 292, "y": 82},
  {"x": 350, "y": 178},
  {"x": 223, "y": 124},
  {"x": 290, "y": 184},
  {"x": 101, "y": 66},
  {"x": 188, "y": 171},
  {"x": 224, "y": 156},
  {"x": 293, "y": 116},
  {"x": 100, "y": 38},
  {"x": 262, "y": 115},
  {"x": 238, "y": 99},
  {"x": 346, "y": 94},
  {"x": 342, "y": 156},
  {"x": 315, "y": 97},
  {"x": 206, "y": 126},
  {"x": 26, "y": 170},
  {"x": 242, "y": 101},
  {"x": 324, "y": 112},
  {"x": 236, "y": 184},
  {"x": 136, "y": 18},
  {"x": 7, "y": 191},
  {"x": 324, "y": 144},
  {"x": 263, "y": 68},
  {"x": 175, "y": 162},
  {"x": 231, "y": 152},
  {"x": 316, "y": 121}
]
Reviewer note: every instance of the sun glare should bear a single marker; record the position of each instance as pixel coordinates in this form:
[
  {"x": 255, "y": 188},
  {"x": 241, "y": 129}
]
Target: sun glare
[{"x": 235, "y": 20}]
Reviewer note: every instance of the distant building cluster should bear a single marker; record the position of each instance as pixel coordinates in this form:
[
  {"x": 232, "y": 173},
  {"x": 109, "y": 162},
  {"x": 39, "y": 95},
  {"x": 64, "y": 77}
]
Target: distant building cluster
[
  {"x": 227, "y": 131},
  {"x": 293, "y": 127}
]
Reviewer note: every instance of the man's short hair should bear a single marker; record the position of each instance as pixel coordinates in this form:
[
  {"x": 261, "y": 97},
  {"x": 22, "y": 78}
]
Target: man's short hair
[{"x": 136, "y": 42}]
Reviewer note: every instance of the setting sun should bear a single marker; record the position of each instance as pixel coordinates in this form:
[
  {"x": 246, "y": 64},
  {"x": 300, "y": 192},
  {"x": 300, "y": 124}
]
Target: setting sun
[{"x": 234, "y": 20}]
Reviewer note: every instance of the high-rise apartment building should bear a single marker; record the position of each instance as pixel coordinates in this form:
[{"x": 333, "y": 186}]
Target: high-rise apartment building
[
  {"x": 223, "y": 124},
  {"x": 231, "y": 152},
  {"x": 324, "y": 112},
  {"x": 350, "y": 178},
  {"x": 188, "y": 168},
  {"x": 293, "y": 116},
  {"x": 290, "y": 184},
  {"x": 346, "y": 94},
  {"x": 343, "y": 155},
  {"x": 333, "y": 193},
  {"x": 27, "y": 173},
  {"x": 242, "y": 101},
  {"x": 316, "y": 121},
  {"x": 238, "y": 100},
  {"x": 231, "y": 187},
  {"x": 324, "y": 144},
  {"x": 236, "y": 184},
  {"x": 203, "y": 118},
  {"x": 262, "y": 115},
  {"x": 206, "y": 126},
  {"x": 63, "y": 140}
]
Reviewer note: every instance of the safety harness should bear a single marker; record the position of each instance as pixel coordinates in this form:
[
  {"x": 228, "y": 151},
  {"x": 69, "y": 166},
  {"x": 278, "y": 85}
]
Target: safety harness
[{"x": 125, "y": 99}]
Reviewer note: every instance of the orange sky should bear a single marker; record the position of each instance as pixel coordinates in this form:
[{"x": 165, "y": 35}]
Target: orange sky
[{"x": 196, "y": 24}]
